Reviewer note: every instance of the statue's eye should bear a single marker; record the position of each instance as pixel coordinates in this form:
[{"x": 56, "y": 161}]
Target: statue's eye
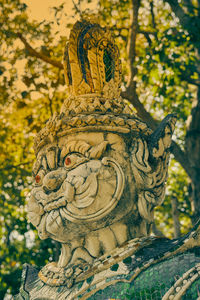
[
  {"x": 39, "y": 177},
  {"x": 68, "y": 161},
  {"x": 73, "y": 160}
]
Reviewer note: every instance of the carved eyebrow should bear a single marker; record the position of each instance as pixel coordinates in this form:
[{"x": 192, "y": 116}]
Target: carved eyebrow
[
  {"x": 37, "y": 165},
  {"x": 40, "y": 163},
  {"x": 44, "y": 162},
  {"x": 47, "y": 160},
  {"x": 98, "y": 150},
  {"x": 75, "y": 146},
  {"x": 84, "y": 148},
  {"x": 51, "y": 156}
]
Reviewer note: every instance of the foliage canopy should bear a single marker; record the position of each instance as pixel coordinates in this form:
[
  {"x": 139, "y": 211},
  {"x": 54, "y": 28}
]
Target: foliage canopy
[{"x": 159, "y": 43}]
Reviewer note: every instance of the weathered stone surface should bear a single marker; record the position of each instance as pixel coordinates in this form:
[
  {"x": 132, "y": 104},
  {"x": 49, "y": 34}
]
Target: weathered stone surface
[
  {"x": 99, "y": 173},
  {"x": 143, "y": 267}
]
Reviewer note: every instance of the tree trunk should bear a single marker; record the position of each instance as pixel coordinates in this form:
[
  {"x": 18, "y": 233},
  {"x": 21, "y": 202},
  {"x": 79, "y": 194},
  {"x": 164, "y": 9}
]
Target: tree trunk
[
  {"x": 175, "y": 216},
  {"x": 192, "y": 148},
  {"x": 190, "y": 21},
  {"x": 156, "y": 231}
]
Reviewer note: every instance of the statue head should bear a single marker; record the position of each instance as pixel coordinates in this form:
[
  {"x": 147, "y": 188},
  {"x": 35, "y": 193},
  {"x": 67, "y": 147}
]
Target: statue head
[{"x": 99, "y": 169}]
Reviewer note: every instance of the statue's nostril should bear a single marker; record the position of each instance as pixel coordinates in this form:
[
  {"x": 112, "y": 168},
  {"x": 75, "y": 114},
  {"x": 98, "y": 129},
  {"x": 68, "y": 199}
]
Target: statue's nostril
[
  {"x": 46, "y": 190},
  {"x": 52, "y": 184},
  {"x": 53, "y": 180}
]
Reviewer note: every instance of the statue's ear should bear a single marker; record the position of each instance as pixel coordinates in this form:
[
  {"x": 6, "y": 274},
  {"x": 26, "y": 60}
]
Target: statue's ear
[
  {"x": 150, "y": 174},
  {"x": 160, "y": 140}
]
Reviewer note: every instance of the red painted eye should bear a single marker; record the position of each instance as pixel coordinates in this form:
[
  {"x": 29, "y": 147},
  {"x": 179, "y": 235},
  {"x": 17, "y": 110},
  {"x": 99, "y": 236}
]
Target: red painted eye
[
  {"x": 37, "y": 178},
  {"x": 67, "y": 161}
]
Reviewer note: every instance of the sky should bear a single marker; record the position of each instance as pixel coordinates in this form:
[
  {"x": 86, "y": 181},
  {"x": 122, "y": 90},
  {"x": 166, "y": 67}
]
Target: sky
[{"x": 40, "y": 9}]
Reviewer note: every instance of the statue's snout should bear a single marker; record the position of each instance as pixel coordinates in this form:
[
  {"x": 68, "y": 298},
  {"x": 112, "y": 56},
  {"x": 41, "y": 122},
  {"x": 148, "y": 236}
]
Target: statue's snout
[{"x": 53, "y": 180}]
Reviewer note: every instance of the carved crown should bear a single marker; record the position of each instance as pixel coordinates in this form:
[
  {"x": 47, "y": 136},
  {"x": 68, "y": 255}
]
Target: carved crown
[
  {"x": 91, "y": 59},
  {"x": 92, "y": 72}
]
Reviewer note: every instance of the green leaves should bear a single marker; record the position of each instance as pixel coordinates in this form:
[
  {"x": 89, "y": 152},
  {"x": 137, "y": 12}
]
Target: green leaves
[
  {"x": 23, "y": 112},
  {"x": 31, "y": 90}
]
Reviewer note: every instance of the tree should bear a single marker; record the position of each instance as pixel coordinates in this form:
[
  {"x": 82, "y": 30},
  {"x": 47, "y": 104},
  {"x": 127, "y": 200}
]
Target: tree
[
  {"x": 160, "y": 47},
  {"x": 166, "y": 66}
]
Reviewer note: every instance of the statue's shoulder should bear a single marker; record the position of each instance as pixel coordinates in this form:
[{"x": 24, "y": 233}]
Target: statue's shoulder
[{"x": 143, "y": 267}]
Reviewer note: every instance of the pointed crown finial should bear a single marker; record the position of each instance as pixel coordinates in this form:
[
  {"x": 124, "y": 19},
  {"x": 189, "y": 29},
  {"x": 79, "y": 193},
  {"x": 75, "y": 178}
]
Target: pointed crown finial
[
  {"x": 91, "y": 59},
  {"x": 92, "y": 72}
]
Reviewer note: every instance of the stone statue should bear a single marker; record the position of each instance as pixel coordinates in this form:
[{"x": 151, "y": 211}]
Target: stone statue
[{"x": 98, "y": 175}]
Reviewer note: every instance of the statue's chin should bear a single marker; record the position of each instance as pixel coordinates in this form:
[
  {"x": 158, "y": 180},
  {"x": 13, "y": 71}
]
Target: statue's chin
[
  {"x": 81, "y": 253},
  {"x": 51, "y": 225}
]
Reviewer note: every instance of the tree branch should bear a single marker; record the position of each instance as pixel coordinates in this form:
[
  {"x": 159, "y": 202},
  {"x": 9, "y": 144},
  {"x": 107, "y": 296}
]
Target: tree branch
[
  {"x": 34, "y": 53},
  {"x": 147, "y": 32},
  {"x": 77, "y": 9},
  {"x": 132, "y": 42},
  {"x": 131, "y": 96},
  {"x": 152, "y": 13},
  {"x": 175, "y": 216},
  {"x": 153, "y": 17},
  {"x": 178, "y": 153},
  {"x": 8, "y": 167},
  {"x": 191, "y": 80},
  {"x": 181, "y": 157},
  {"x": 198, "y": 3},
  {"x": 179, "y": 12},
  {"x": 185, "y": 20},
  {"x": 189, "y": 6},
  {"x": 146, "y": 35},
  {"x": 140, "y": 30},
  {"x": 157, "y": 231},
  {"x": 131, "y": 93}
]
